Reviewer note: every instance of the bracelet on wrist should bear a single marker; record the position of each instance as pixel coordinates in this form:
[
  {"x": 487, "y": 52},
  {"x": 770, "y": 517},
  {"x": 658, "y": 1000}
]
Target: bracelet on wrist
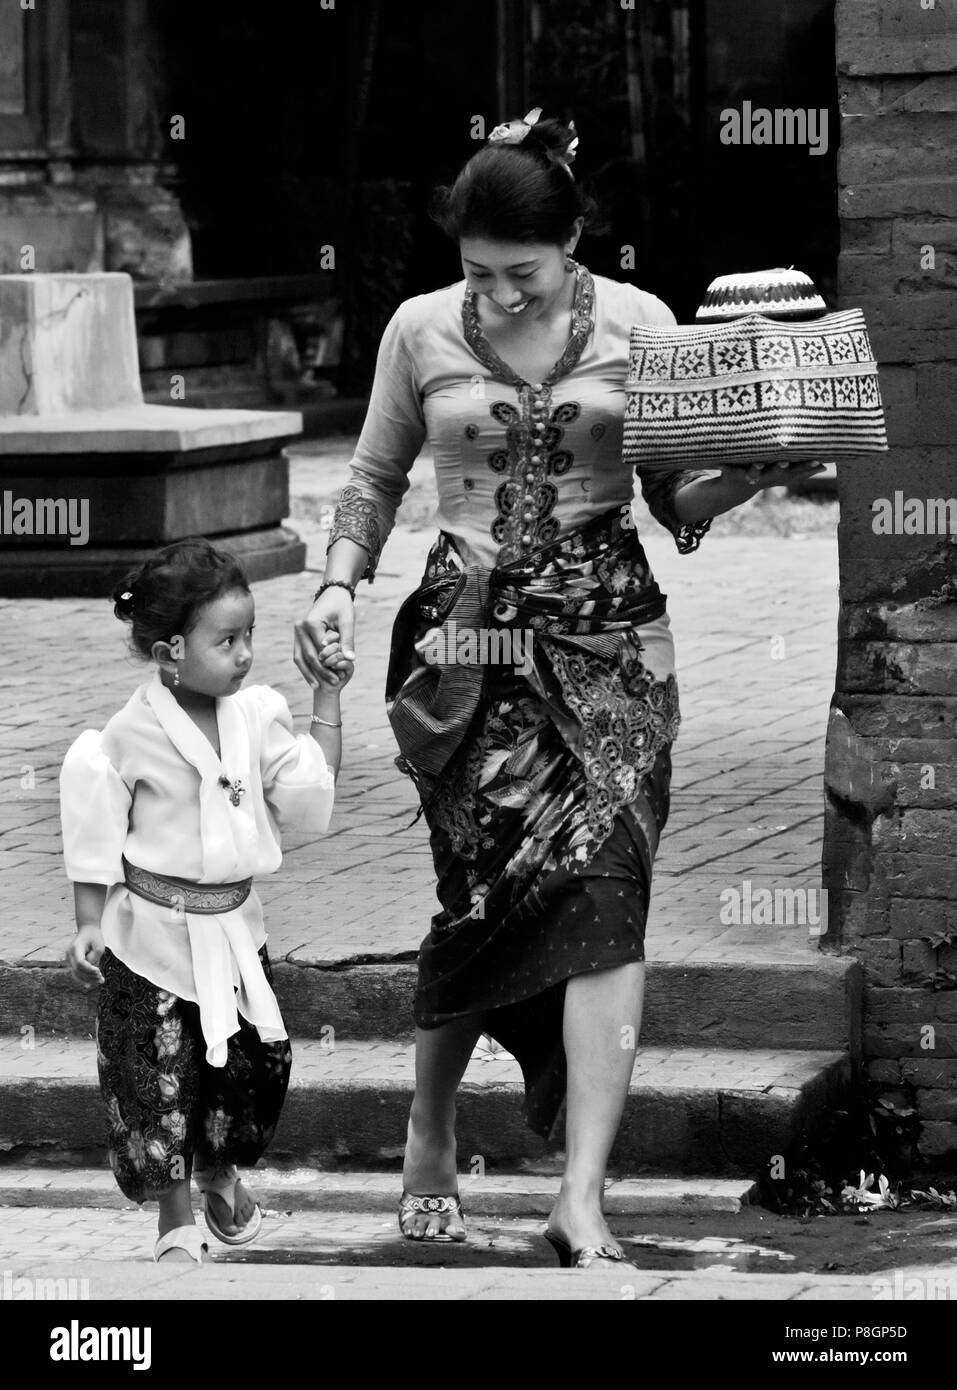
[
  {"x": 336, "y": 584},
  {"x": 314, "y": 719}
]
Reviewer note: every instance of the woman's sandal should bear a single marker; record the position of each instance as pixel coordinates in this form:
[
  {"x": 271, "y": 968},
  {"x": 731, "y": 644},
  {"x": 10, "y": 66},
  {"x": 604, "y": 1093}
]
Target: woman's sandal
[
  {"x": 414, "y": 1204},
  {"x": 581, "y": 1259},
  {"x": 185, "y": 1238},
  {"x": 224, "y": 1185}
]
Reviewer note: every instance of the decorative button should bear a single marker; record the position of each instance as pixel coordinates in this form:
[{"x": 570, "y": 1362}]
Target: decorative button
[
  {"x": 530, "y": 477},
  {"x": 526, "y": 538},
  {"x": 536, "y": 458}
]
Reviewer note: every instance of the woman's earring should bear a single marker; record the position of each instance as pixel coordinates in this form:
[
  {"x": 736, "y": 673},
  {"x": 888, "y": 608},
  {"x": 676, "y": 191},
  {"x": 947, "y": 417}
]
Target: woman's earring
[
  {"x": 176, "y": 676},
  {"x": 569, "y": 263}
]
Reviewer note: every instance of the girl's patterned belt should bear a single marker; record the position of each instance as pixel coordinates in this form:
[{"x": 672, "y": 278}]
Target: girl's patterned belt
[{"x": 180, "y": 894}]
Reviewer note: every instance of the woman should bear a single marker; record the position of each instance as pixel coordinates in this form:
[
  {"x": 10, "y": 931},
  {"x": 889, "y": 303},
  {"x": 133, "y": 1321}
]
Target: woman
[{"x": 542, "y": 761}]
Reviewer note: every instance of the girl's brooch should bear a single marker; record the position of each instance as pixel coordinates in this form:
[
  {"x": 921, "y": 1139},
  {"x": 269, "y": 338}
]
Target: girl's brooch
[{"x": 235, "y": 789}]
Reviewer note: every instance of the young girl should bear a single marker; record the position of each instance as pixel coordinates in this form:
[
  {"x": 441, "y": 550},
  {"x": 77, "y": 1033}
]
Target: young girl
[{"x": 167, "y": 814}]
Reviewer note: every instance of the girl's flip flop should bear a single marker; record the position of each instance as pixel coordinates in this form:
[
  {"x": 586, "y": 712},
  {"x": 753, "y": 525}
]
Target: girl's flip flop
[
  {"x": 224, "y": 1185},
  {"x": 182, "y": 1238}
]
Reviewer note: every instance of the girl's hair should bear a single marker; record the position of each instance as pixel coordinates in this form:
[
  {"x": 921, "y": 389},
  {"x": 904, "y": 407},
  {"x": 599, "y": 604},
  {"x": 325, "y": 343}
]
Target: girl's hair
[
  {"x": 162, "y": 598},
  {"x": 518, "y": 193}
]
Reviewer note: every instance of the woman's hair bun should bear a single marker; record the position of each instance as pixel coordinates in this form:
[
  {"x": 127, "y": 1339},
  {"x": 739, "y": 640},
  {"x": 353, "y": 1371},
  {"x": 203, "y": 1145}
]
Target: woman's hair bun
[
  {"x": 552, "y": 137},
  {"x": 519, "y": 187}
]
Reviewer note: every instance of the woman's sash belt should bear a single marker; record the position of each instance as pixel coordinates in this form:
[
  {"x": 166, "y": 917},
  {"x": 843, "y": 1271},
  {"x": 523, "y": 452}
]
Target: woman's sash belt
[{"x": 432, "y": 705}]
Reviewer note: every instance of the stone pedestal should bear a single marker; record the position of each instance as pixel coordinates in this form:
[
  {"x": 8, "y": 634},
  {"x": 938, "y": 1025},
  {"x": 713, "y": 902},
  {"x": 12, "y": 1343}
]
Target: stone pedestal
[
  {"x": 91, "y": 479},
  {"x": 55, "y": 229}
]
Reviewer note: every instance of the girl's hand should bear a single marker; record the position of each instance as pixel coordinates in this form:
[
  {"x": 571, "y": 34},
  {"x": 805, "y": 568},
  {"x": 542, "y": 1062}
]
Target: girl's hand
[
  {"x": 83, "y": 956},
  {"x": 335, "y": 661},
  {"x": 332, "y": 613}
]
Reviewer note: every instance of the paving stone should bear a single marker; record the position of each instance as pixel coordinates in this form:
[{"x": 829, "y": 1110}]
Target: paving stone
[
  {"x": 747, "y": 763},
  {"x": 748, "y": 719},
  {"x": 328, "y": 1257}
]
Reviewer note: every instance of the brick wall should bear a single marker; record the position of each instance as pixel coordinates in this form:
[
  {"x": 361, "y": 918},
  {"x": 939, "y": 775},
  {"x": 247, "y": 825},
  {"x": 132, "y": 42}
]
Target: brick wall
[{"x": 891, "y": 767}]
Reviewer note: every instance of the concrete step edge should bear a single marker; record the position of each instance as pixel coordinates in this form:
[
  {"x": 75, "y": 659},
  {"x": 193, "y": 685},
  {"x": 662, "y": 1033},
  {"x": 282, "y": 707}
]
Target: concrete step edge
[
  {"x": 796, "y": 1007},
  {"x": 71, "y": 1062},
  {"x": 721, "y": 1125},
  {"x": 525, "y": 1194}
]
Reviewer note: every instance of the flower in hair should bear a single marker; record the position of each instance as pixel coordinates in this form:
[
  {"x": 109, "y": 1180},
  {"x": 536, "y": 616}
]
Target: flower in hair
[
  {"x": 569, "y": 152},
  {"x": 514, "y": 132}
]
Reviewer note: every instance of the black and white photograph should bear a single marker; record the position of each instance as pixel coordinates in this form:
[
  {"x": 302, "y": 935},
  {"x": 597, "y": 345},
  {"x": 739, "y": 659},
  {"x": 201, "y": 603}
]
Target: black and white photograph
[{"x": 478, "y": 696}]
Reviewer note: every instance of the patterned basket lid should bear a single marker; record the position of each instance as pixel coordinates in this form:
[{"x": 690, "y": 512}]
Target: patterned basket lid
[{"x": 775, "y": 293}]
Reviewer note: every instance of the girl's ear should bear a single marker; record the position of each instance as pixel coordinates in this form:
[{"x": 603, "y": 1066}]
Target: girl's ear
[{"x": 162, "y": 654}]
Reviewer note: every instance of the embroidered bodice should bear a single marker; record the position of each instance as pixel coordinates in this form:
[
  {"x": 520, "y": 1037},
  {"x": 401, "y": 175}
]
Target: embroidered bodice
[{"x": 516, "y": 463}]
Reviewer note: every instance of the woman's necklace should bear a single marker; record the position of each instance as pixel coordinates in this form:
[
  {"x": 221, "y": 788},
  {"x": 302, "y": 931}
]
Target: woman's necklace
[{"x": 582, "y": 323}]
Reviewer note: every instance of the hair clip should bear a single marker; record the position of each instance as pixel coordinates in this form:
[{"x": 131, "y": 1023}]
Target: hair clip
[{"x": 514, "y": 132}]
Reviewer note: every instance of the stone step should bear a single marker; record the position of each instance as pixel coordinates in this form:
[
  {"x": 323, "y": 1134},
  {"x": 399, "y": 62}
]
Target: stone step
[
  {"x": 690, "y": 1110},
  {"x": 308, "y": 1189},
  {"x": 727, "y": 1004}
]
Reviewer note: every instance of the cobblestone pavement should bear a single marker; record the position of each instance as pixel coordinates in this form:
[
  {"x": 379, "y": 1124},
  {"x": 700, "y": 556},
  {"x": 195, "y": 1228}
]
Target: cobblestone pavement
[
  {"x": 754, "y": 619},
  {"x": 361, "y": 1256}
]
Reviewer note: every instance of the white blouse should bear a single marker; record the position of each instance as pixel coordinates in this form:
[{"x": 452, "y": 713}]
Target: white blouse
[{"x": 147, "y": 788}]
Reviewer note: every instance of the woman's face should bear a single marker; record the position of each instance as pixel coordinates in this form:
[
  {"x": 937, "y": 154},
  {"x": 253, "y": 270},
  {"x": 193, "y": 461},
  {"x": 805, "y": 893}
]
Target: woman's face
[{"x": 521, "y": 280}]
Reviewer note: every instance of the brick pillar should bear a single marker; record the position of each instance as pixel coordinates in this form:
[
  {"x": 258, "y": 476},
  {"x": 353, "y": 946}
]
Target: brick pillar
[{"x": 890, "y": 859}]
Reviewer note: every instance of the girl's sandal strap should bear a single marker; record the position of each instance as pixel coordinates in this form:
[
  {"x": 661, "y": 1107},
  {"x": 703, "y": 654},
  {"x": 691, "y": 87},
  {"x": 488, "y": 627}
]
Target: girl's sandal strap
[
  {"x": 185, "y": 1238},
  {"x": 222, "y": 1180},
  {"x": 223, "y": 1184}
]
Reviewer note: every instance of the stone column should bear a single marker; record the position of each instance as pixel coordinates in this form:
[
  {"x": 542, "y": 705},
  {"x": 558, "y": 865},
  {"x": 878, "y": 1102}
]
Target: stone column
[
  {"x": 891, "y": 766},
  {"x": 122, "y": 124}
]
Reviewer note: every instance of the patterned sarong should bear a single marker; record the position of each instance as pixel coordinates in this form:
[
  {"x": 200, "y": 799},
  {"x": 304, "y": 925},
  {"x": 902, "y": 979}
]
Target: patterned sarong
[{"x": 543, "y": 766}]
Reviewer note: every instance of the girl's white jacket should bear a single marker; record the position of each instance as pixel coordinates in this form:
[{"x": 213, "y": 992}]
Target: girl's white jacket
[{"x": 148, "y": 788}]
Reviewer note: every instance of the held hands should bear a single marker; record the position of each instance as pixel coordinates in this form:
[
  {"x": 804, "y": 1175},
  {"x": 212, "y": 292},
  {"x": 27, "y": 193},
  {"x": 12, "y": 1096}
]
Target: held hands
[
  {"x": 333, "y": 659},
  {"x": 324, "y": 650},
  {"x": 83, "y": 956}
]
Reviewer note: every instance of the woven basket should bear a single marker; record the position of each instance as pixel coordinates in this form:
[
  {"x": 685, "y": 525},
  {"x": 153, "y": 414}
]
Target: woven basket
[{"x": 754, "y": 388}]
